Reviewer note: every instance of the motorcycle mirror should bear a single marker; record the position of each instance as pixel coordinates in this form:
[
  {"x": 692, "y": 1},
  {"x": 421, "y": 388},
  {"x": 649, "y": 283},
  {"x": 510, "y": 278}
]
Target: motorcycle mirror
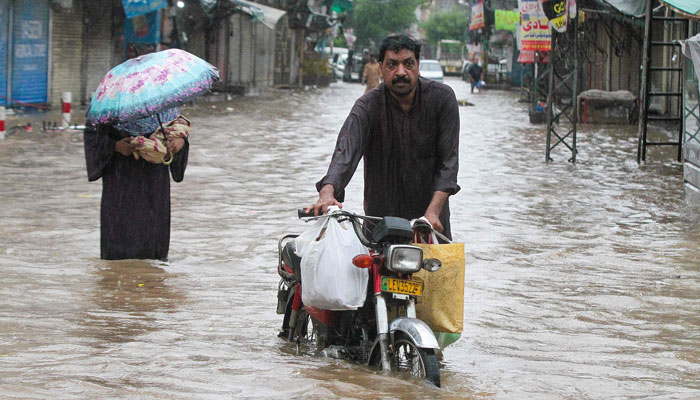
[{"x": 431, "y": 264}]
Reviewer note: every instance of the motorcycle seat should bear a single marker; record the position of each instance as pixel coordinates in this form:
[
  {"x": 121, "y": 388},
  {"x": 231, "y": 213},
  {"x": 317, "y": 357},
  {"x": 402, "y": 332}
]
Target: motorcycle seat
[{"x": 290, "y": 257}]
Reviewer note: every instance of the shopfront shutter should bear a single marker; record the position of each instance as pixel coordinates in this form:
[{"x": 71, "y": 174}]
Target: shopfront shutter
[
  {"x": 247, "y": 54},
  {"x": 99, "y": 46},
  {"x": 30, "y": 50},
  {"x": 66, "y": 55}
]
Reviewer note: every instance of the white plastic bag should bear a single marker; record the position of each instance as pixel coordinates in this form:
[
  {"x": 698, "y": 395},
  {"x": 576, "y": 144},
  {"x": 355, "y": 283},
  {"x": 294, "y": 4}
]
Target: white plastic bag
[{"x": 329, "y": 280}]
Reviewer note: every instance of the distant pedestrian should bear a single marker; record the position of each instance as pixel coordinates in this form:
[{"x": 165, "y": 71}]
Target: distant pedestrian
[
  {"x": 135, "y": 211},
  {"x": 474, "y": 72},
  {"x": 371, "y": 73}
]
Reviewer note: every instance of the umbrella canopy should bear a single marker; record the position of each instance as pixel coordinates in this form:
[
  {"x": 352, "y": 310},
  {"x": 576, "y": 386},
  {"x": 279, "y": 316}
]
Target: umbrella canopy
[{"x": 145, "y": 85}]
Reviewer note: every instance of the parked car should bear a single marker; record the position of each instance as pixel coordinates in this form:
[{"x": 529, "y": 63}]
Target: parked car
[
  {"x": 335, "y": 55},
  {"x": 355, "y": 73},
  {"x": 431, "y": 69},
  {"x": 339, "y": 65}
]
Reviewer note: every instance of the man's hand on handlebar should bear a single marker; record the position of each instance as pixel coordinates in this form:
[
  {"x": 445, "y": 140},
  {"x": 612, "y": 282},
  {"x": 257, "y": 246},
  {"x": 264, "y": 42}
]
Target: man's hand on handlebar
[
  {"x": 432, "y": 214},
  {"x": 326, "y": 198},
  {"x": 434, "y": 219}
]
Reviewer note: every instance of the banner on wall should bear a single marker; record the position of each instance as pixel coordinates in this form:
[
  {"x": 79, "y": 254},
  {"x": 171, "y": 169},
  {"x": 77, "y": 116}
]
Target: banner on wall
[
  {"x": 30, "y": 52},
  {"x": 506, "y": 20},
  {"x": 478, "y": 21},
  {"x": 535, "y": 33},
  {"x": 134, "y": 8},
  {"x": 142, "y": 34},
  {"x": 556, "y": 12}
]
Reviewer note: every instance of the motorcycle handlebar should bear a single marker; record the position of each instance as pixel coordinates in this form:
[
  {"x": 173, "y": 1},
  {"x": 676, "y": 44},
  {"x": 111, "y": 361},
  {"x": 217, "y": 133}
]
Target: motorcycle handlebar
[
  {"x": 354, "y": 218},
  {"x": 303, "y": 214}
]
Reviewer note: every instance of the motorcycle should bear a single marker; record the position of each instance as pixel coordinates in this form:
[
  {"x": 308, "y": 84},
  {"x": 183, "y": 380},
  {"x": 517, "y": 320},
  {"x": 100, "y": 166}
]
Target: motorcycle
[{"x": 384, "y": 331}]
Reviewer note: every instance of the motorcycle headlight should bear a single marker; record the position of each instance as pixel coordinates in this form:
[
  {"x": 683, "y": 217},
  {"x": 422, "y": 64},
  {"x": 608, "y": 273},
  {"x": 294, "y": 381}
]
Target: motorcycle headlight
[{"x": 404, "y": 258}]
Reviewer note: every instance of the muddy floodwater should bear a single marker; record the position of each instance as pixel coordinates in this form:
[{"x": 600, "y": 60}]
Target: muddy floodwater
[{"x": 582, "y": 280}]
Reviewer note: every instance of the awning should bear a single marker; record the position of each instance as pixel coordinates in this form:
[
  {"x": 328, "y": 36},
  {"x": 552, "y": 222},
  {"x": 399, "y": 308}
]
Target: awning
[
  {"x": 689, "y": 7},
  {"x": 208, "y": 5},
  {"x": 636, "y": 8},
  {"x": 691, "y": 49},
  {"x": 631, "y": 8},
  {"x": 341, "y": 5},
  {"x": 266, "y": 15},
  {"x": 252, "y": 9}
]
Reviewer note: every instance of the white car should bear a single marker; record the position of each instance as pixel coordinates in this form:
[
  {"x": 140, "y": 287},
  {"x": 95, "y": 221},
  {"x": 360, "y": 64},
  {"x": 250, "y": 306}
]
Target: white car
[
  {"x": 355, "y": 73},
  {"x": 339, "y": 66},
  {"x": 431, "y": 69}
]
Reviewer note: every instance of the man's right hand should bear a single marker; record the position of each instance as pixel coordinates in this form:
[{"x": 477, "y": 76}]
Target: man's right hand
[
  {"x": 326, "y": 198},
  {"x": 125, "y": 148}
]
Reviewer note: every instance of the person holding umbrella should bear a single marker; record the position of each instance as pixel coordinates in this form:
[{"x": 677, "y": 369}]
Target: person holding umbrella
[{"x": 135, "y": 139}]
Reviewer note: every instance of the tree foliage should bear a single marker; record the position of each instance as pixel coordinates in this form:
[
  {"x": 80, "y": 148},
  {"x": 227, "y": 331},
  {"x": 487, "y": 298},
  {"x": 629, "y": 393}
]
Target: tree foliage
[
  {"x": 373, "y": 20},
  {"x": 446, "y": 25}
]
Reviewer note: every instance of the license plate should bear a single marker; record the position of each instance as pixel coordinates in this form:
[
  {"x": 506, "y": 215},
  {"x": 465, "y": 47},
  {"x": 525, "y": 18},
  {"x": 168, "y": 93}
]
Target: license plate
[{"x": 402, "y": 286}]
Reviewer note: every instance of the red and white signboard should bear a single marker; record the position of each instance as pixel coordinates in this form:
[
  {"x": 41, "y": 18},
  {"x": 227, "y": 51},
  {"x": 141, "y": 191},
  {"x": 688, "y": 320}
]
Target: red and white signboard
[
  {"x": 478, "y": 20},
  {"x": 535, "y": 33},
  {"x": 528, "y": 57}
]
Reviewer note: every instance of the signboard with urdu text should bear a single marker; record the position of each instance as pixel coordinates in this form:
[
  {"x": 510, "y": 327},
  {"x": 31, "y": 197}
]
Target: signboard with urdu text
[{"x": 535, "y": 33}]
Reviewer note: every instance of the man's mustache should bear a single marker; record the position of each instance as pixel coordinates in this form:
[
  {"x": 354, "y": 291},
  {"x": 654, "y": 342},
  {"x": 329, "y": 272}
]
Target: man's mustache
[{"x": 401, "y": 79}]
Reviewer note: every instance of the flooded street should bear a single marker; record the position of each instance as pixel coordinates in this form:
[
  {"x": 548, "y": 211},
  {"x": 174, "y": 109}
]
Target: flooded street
[{"x": 582, "y": 281}]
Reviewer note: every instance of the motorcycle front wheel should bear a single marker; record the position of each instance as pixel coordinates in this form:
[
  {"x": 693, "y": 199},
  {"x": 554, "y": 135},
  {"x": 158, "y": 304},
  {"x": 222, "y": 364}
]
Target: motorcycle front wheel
[{"x": 420, "y": 363}]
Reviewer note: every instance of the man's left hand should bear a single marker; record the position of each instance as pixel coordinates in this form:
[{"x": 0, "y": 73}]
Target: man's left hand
[
  {"x": 434, "y": 220},
  {"x": 432, "y": 214},
  {"x": 175, "y": 145}
]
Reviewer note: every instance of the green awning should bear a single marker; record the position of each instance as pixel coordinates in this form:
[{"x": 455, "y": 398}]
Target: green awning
[
  {"x": 340, "y": 6},
  {"x": 251, "y": 9},
  {"x": 266, "y": 15},
  {"x": 208, "y": 5},
  {"x": 691, "y": 7},
  {"x": 631, "y": 8}
]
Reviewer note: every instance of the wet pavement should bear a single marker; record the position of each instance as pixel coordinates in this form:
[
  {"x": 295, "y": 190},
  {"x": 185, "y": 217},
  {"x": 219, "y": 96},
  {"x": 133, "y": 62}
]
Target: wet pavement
[{"x": 582, "y": 280}]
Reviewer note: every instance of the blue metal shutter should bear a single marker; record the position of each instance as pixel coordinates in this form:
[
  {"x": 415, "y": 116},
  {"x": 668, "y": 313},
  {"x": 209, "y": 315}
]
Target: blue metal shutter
[
  {"x": 4, "y": 25},
  {"x": 30, "y": 45}
]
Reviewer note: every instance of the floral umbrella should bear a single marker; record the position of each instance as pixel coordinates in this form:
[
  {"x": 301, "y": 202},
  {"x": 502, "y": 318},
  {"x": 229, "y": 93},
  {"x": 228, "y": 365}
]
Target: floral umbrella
[{"x": 148, "y": 84}]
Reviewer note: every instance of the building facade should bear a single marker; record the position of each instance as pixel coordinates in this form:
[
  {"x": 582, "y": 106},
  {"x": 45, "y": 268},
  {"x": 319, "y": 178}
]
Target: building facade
[{"x": 50, "y": 47}]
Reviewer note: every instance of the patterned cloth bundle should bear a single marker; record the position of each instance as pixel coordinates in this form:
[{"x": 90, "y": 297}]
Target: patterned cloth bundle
[{"x": 153, "y": 148}]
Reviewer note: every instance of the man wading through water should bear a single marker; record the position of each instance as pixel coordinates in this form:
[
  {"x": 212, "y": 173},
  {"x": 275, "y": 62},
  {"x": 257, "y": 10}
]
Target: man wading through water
[{"x": 408, "y": 132}]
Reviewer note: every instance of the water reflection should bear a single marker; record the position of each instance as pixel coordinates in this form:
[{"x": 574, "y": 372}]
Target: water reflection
[{"x": 128, "y": 296}]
